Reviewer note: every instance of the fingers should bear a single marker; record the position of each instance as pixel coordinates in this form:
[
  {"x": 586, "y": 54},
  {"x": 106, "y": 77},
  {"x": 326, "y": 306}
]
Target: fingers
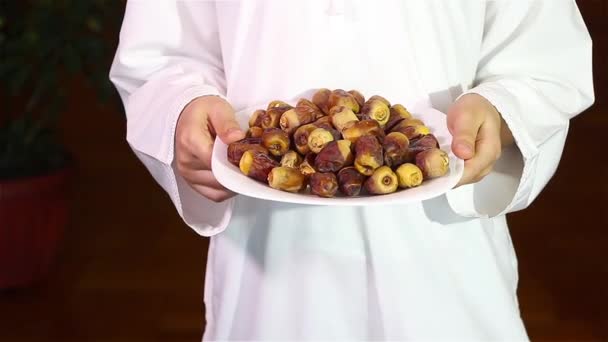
[
  {"x": 487, "y": 149},
  {"x": 213, "y": 194},
  {"x": 223, "y": 122},
  {"x": 198, "y": 123},
  {"x": 464, "y": 126},
  {"x": 194, "y": 149},
  {"x": 203, "y": 178},
  {"x": 474, "y": 171}
]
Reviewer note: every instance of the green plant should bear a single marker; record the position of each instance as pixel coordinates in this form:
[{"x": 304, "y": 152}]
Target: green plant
[{"x": 46, "y": 44}]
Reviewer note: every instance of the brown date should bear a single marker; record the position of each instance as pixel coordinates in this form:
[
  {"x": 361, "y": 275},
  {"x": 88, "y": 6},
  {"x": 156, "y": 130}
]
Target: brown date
[
  {"x": 341, "y": 98},
  {"x": 403, "y": 126},
  {"x": 334, "y": 156},
  {"x": 307, "y": 167},
  {"x": 318, "y": 139},
  {"x": 413, "y": 122},
  {"x": 342, "y": 117},
  {"x": 256, "y": 118},
  {"x": 368, "y": 155},
  {"x": 413, "y": 132},
  {"x": 294, "y": 118},
  {"x": 236, "y": 149},
  {"x": 377, "y": 110},
  {"x": 420, "y": 144},
  {"x": 257, "y": 165},
  {"x": 291, "y": 159},
  {"x": 254, "y": 132},
  {"x": 433, "y": 163},
  {"x": 300, "y": 137},
  {"x": 272, "y": 117},
  {"x": 363, "y": 117},
  {"x": 276, "y": 141},
  {"x": 427, "y": 141},
  {"x": 350, "y": 181},
  {"x": 361, "y": 128},
  {"x": 358, "y": 96},
  {"x": 324, "y": 184},
  {"x": 324, "y": 122},
  {"x": 277, "y": 103},
  {"x": 395, "y": 146},
  {"x": 308, "y": 106},
  {"x": 398, "y": 113},
  {"x": 286, "y": 179},
  {"x": 321, "y": 99}
]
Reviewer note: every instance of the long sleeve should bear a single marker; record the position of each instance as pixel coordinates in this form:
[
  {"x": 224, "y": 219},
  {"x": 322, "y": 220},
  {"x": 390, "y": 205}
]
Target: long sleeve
[
  {"x": 168, "y": 55},
  {"x": 535, "y": 67}
]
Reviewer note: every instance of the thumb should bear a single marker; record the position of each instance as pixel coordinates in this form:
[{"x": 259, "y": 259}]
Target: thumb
[
  {"x": 464, "y": 126},
  {"x": 223, "y": 121}
]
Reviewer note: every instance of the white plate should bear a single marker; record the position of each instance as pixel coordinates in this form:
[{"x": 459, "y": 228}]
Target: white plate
[{"x": 231, "y": 177}]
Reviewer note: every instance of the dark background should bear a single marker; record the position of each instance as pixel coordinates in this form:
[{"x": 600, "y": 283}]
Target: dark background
[{"x": 130, "y": 270}]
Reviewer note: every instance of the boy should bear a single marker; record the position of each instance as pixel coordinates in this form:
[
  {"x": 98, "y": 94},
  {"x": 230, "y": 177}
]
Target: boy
[{"x": 509, "y": 74}]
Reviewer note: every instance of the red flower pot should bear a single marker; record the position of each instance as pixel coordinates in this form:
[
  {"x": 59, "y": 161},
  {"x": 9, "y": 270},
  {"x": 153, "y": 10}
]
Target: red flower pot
[{"x": 33, "y": 216}]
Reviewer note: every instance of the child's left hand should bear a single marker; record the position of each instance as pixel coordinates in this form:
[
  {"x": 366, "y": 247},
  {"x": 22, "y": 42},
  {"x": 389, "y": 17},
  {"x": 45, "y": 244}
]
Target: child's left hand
[{"x": 479, "y": 134}]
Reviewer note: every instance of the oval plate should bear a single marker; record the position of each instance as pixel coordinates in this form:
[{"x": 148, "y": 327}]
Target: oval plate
[{"x": 231, "y": 177}]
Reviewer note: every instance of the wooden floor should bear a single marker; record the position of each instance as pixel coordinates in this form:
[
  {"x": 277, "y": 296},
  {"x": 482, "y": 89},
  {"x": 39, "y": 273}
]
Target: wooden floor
[{"x": 130, "y": 270}]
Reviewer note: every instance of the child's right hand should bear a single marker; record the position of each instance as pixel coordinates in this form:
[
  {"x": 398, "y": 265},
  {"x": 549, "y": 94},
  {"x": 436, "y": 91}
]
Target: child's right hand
[{"x": 198, "y": 124}]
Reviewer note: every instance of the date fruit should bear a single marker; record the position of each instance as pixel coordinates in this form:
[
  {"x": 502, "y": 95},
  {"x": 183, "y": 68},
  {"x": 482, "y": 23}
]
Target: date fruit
[
  {"x": 291, "y": 159},
  {"x": 257, "y": 165},
  {"x": 383, "y": 181},
  {"x": 334, "y": 156},
  {"x": 254, "y": 132},
  {"x": 403, "y": 125},
  {"x": 256, "y": 118},
  {"x": 318, "y": 139},
  {"x": 321, "y": 99},
  {"x": 377, "y": 110},
  {"x": 426, "y": 141},
  {"x": 272, "y": 117},
  {"x": 236, "y": 149},
  {"x": 378, "y": 97},
  {"x": 305, "y": 105},
  {"x": 294, "y": 118},
  {"x": 433, "y": 163},
  {"x": 342, "y": 117},
  {"x": 286, "y": 179},
  {"x": 395, "y": 149},
  {"x": 361, "y": 128},
  {"x": 300, "y": 137},
  {"x": 358, "y": 96},
  {"x": 368, "y": 155},
  {"x": 414, "y": 132},
  {"x": 398, "y": 113},
  {"x": 276, "y": 141},
  {"x": 307, "y": 167},
  {"x": 409, "y": 176},
  {"x": 324, "y": 122},
  {"x": 421, "y": 144},
  {"x": 277, "y": 103},
  {"x": 324, "y": 184},
  {"x": 341, "y": 98},
  {"x": 350, "y": 181}
]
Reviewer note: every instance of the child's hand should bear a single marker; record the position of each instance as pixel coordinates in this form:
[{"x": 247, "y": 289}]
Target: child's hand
[
  {"x": 196, "y": 128},
  {"x": 479, "y": 134}
]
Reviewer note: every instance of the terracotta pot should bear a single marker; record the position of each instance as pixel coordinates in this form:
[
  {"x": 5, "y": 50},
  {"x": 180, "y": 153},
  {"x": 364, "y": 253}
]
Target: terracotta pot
[{"x": 33, "y": 216}]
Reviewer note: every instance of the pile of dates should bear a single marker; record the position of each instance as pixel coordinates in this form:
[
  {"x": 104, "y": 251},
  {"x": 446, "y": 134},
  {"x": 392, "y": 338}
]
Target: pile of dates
[{"x": 338, "y": 144}]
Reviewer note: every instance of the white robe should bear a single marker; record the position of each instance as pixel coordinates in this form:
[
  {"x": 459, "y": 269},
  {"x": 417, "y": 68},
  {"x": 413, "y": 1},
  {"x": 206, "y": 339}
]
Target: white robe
[{"x": 443, "y": 269}]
